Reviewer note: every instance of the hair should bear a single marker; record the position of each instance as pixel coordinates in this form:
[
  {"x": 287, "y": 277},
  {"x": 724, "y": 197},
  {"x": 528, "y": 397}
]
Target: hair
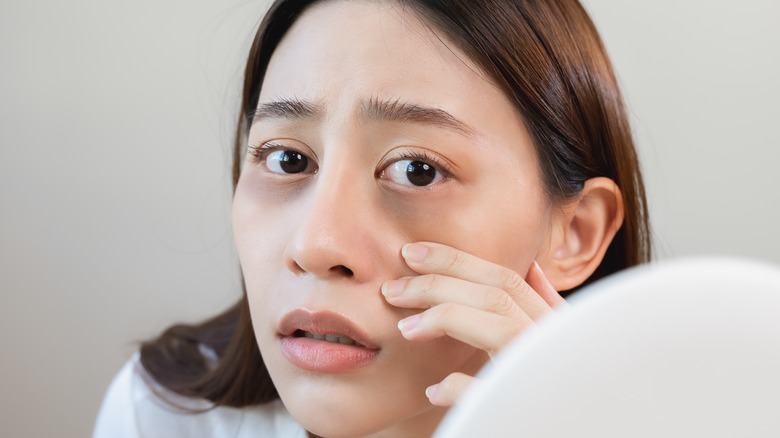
[{"x": 548, "y": 59}]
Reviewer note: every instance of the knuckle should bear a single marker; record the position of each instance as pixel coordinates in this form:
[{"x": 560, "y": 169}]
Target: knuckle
[
  {"x": 454, "y": 262},
  {"x": 499, "y": 302},
  {"x": 429, "y": 283},
  {"x": 511, "y": 280},
  {"x": 443, "y": 311},
  {"x": 424, "y": 287}
]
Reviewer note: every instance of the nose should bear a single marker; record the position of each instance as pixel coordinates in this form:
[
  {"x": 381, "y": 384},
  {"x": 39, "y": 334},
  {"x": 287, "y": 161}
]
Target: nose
[{"x": 336, "y": 237}]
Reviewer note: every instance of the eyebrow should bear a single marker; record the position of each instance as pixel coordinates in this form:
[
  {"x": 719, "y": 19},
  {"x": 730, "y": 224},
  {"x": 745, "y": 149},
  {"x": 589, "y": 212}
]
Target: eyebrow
[
  {"x": 291, "y": 109},
  {"x": 397, "y": 111},
  {"x": 372, "y": 109}
]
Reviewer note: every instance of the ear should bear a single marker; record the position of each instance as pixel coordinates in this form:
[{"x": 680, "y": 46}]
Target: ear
[{"x": 582, "y": 231}]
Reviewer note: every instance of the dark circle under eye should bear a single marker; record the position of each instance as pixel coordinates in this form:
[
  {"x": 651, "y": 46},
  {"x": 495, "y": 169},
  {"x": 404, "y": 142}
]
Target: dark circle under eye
[
  {"x": 420, "y": 173},
  {"x": 293, "y": 162}
]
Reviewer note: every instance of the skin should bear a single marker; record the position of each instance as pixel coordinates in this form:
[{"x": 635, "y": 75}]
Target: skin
[{"x": 441, "y": 276}]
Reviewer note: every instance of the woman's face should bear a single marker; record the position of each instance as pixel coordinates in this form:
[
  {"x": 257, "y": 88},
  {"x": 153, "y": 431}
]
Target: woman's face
[{"x": 373, "y": 132}]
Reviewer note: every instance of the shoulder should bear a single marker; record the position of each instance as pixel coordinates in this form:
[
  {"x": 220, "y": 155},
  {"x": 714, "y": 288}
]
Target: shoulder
[{"x": 135, "y": 406}]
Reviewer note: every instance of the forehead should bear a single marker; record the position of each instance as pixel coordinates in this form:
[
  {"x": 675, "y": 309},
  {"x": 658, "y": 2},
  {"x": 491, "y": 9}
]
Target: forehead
[{"x": 358, "y": 50}]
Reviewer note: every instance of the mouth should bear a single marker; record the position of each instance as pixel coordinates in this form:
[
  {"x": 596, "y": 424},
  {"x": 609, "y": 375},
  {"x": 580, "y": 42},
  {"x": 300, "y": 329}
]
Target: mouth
[
  {"x": 324, "y": 326},
  {"x": 324, "y": 342},
  {"x": 329, "y": 337}
]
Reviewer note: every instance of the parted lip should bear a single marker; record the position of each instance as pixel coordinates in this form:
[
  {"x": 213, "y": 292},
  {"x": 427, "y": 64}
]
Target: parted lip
[{"x": 323, "y": 322}]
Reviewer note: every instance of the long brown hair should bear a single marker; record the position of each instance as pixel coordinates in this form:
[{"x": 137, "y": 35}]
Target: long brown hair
[{"x": 548, "y": 59}]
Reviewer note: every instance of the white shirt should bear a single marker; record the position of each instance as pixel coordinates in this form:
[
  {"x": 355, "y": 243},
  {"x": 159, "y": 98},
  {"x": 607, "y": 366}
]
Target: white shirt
[{"x": 131, "y": 409}]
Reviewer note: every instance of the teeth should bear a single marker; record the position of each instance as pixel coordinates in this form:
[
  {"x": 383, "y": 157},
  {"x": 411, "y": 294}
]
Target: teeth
[
  {"x": 336, "y": 339},
  {"x": 314, "y": 335}
]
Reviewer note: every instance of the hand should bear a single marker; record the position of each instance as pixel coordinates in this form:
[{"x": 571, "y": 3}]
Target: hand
[{"x": 469, "y": 299}]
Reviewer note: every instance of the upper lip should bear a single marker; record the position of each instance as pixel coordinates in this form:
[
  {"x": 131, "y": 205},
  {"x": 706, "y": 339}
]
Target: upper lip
[{"x": 323, "y": 322}]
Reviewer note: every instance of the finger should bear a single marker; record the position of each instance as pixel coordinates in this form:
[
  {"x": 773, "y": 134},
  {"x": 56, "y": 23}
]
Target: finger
[
  {"x": 426, "y": 291},
  {"x": 449, "y": 390},
  {"x": 435, "y": 258},
  {"x": 484, "y": 330},
  {"x": 539, "y": 282}
]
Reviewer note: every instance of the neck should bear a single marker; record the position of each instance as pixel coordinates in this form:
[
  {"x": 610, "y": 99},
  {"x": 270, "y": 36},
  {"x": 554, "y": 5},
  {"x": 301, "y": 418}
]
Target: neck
[{"x": 422, "y": 425}]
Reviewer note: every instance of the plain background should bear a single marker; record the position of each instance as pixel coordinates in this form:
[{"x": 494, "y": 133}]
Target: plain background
[{"x": 116, "y": 119}]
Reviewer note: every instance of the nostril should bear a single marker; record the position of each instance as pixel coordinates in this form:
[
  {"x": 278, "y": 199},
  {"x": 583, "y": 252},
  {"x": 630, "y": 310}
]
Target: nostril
[
  {"x": 295, "y": 268},
  {"x": 348, "y": 272}
]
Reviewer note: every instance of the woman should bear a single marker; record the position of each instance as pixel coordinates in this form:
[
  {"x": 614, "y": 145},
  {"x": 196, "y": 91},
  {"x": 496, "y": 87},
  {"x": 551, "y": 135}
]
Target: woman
[{"x": 414, "y": 181}]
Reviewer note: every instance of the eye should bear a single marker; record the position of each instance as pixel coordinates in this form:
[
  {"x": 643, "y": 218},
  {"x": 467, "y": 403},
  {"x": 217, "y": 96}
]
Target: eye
[
  {"x": 282, "y": 160},
  {"x": 286, "y": 161},
  {"x": 414, "y": 172}
]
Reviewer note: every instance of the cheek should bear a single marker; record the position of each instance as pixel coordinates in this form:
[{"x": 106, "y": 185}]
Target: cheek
[
  {"x": 258, "y": 218},
  {"x": 260, "y": 236},
  {"x": 435, "y": 360},
  {"x": 506, "y": 224}
]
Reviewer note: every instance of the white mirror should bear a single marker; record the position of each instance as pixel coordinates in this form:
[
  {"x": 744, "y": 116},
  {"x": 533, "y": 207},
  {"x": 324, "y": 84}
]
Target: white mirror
[{"x": 682, "y": 349}]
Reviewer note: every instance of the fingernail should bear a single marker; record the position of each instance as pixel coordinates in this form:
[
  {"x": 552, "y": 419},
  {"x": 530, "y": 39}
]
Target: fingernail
[
  {"x": 544, "y": 276},
  {"x": 406, "y": 325},
  {"x": 393, "y": 288},
  {"x": 431, "y": 390},
  {"x": 414, "y": 252}
]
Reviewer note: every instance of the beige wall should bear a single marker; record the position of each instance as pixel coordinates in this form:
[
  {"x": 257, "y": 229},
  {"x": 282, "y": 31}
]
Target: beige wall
[{"x": 115, "y": 121}]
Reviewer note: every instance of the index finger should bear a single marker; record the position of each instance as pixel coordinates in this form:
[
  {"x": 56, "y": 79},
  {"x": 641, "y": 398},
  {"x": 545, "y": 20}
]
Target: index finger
[{"x": 436, "y": 258}]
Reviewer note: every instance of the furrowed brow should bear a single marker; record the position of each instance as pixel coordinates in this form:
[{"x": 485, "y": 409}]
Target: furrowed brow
[
  {"x": 397, "y": 111},
  {"x": 289, "y": 109}
]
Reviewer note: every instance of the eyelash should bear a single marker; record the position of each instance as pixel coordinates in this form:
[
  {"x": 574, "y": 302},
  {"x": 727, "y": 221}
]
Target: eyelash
[
  {"x": 415, "y": 155},
  {"x": 260, "y": 151}
]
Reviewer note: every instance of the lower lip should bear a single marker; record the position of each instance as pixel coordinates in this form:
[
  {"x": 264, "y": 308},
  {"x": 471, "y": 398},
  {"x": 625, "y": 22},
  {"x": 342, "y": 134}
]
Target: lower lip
[{"x": 325, "y": 357}]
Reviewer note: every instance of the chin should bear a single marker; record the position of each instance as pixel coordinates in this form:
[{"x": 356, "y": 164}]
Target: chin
[
  {"x": 352, "y": 415},
  {"x": 354, "y": 405}
]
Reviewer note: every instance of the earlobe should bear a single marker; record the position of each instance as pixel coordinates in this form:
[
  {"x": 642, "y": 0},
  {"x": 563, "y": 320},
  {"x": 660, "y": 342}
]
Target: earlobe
[{"x": 582, "y": 231}]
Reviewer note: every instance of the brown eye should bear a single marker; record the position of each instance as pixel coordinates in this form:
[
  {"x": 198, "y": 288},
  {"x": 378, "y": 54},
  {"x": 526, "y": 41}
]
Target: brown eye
[
  {"x": 287, "y": 161},
  {"x": 420, "y": 174},
  {"x": 412, "y": 172}
]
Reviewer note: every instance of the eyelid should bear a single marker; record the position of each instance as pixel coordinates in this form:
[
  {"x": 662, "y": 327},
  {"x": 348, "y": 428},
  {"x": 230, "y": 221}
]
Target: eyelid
[
  {"x": 259, "y": 154},
  {"x": 259, "y": 151},
  {"x": 440, "y": 164}
]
